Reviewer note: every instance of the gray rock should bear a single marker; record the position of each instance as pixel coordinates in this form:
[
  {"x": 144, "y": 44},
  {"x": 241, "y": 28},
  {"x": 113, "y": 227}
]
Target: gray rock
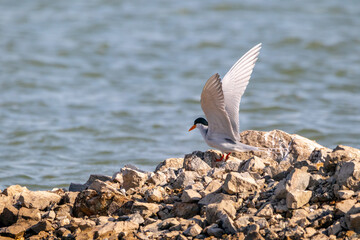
[
  {"x": 254, "y": 164},
  {"x": 185, "y": 179},
  {"x": 194, "y": 163},
  {"x": 227, "y": 224},
  {"x": 239, "y": 182},
  {"x": 159, "y": 178},
  {"x": 335, "y": 228},
  {"x": 344, "y": 194},
  {"x": 242, "y": 222},
  {"x": 280, "y": 190},
  {"x": 113, "y": 229},
  {"x": 42, "y": 226},
  {"x": 216, "y": 211},
  {"x": 193, "y": 230},
  {"x": 266, "y": 211},
  {"x": 136, "y": 218},
  {"x": 348, "y": 174},
  {"x": 175, "y": 163},
  {"x": 297, "y": 198},
  {"x": 38, "y": 199},
  {"x": 155, "y": 195},
  {"x": 343, "y": 207},
  {"x": 77, "y": 187},
  {"x": 17, "y": 229},
  {"x": 216, "y": 198},
  {"x": 133, "y": 178},
  {"x": 8, "y": 216},
  {"x": 145, "y": 209},
  {"x": 340, "y": 154},
  {"x": 232, "y": 165},
  {"x": 100, "y": 177},
  {"x": 213, "y": 186},
  {"x": 185, "y": 210},
  {"x": 214, "y": 230},
  {"x": 69, "y": 197},
  {"x": 354, "y": 222},
  {"x": 14, "y": 190},
  {"x": 298, "y": 180},
  {"x": 190, "y": 196},
  {"x": 27, "y": 213},
  {"x": 168, "y": 223},
  {"x": 101, "y": 186}
]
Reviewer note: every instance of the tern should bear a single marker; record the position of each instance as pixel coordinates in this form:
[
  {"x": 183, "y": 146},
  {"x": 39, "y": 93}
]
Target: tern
[{"x": 220, "y": 101}]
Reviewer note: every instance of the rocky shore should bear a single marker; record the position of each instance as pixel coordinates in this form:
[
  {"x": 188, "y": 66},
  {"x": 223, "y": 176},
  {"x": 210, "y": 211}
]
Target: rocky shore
[{"x": 297, "y": 189}]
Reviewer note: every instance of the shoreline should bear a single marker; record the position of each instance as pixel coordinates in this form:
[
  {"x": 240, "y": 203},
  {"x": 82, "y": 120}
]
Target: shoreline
[{"x": 298, "y": 190}]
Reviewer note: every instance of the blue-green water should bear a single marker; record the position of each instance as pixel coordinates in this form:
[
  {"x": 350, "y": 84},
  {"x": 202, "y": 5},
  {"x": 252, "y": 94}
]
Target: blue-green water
[{"x": 89, "y": 86}]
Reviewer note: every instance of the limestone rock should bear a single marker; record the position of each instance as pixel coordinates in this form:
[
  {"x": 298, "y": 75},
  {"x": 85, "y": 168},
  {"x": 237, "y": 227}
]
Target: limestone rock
[
  {"x": 133, "y": 178},
  {"x": 185, "y": 179},
  {"x": 292, "y": 146},
  {"x": 335, "y": 228},
  {"x": 16, "y": 229},
  {"x": 266, "y": 211},
  {"x": 343, "y": 207},
  {"x": 227, "y": 224},
  {"x": 8, "y": 216},
  {"x": 214, "y": 230},
  {"x": 298, "y": 180},
  {"x": 254, "y": 164},
  {"x": 113, "y": 229},
  {"x": 101, "y": 186},
  {"x": 168, "y": 223},
  {"x": 38, "y": 199},
  {"x": 233, "y": 165},
  {"x": 14, "y": 190},
  {"x": 158, "y": 178},
  {"x": 193, "y": 230},
  {"x": 69, "y": 197},
  {"x": 215, "y": 211},
  {"x": 355, "y": 222},
  {"x": 99, "y": 177},
  {"x": 280, "y": 189},
  {"x": 42, "y": 226},
  {"x": 194, "y": 163},
  {"x": 297, "y": 198},
  {"x": 239, "y": 182},
  {"x": 155, "y": 195},
  {"x": 216, "y": 198},
  {"x": 348, "y": 174},
  {"x": 190, "y": 196},
  {"x": 145, "y": 209},
  {"x": 341, "y": 154},
  {"x": 185, "y": 210},
  {"x": 170, "y": 163},
  {"x": 89, "y": 202},
  {"x": 27, "y": 213},
  {"x": 213, "y": 186},
  {"x": 344, "y": 194}
]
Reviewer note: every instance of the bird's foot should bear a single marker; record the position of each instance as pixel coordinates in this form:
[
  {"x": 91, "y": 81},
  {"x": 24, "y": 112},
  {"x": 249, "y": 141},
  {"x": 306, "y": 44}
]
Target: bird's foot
[
  {"x": 220, "y": 159},
  {"x": 227, "y": 156}
]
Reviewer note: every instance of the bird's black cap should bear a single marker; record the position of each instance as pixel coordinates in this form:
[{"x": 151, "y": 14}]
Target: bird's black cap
[{"x": 201, "y": 120}]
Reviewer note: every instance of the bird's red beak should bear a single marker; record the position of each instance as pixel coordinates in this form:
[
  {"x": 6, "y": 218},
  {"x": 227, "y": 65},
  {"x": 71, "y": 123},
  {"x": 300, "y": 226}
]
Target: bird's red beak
[{"x": 192, "y": 128}]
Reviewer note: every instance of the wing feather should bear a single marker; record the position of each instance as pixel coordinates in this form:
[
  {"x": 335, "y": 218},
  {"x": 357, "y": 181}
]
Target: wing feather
[
  {"x": 213, "y": 105},
  {"x": 235, "y": 83}
]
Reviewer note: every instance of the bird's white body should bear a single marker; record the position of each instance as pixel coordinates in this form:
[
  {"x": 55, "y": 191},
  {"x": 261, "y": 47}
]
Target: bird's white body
[
  {"x": 223, "y": 143},
  {"x": 220, "y": 101}
]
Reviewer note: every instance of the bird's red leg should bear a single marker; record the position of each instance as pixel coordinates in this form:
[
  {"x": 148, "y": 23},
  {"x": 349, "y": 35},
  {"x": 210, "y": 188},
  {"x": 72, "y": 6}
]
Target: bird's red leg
[
  {"x": 219, "y": 160},
  {"x": 227, "y": 156}
]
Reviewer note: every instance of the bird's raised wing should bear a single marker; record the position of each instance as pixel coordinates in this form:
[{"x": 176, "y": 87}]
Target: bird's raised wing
[
  {"x": 213, "y": 105},
  {"x": 235, "y": 83}
]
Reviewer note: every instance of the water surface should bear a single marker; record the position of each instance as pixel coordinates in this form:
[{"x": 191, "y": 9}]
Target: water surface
[{"x": 87, "y": 87}]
